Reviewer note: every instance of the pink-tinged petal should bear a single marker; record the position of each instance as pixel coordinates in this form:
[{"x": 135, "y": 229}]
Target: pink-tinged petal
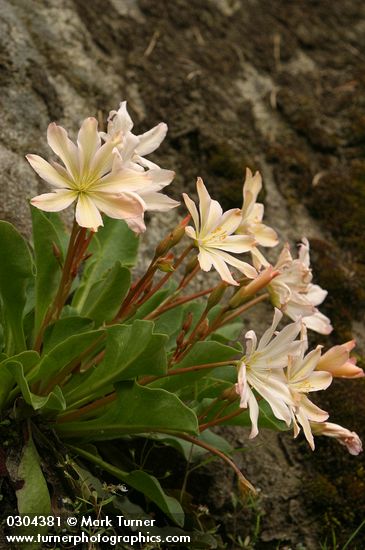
[
  {"x": 146, "y": 163},
  {"x": 301, "y": 369},
  {"x": 344, "y": 436},
  {"x": 190, "y": 205},
  {"x": 233, "y": 243},
  {"x": 88, "y": 141},
  {"x": 252, "y": 184},
  {"x": 304, "y": 422},
  {"x": 276, "y": 393},
  {"x": 258, "y": 259},
  {"x": 254, "y": 414},
  {"x": 319, "y": 323},
  {"x": 265, "y": 236},
  {"x": 103, "y": 160},
  {"x": 230, "y": 221},
  {"x": 136, "y": 224},
  {"x": 122, "y": 181},
  {"x": 87, "y": 214},
  {"x": 121, "y": 206},
  {"x": 54, "y": 202},
  {"x": 244, "y": 267},
  {"x": 160, "y": 177},
  {"x": 151, "y": 140},
  {"x": 205, "y": 260},
  {"x": 251, "y": 343},
  {"x": 319, "y": 381},
  {"x": 64, "y": 148},
  {"x": 158, "y": 201},
  {"x": 282, "y": 344},
  {"x": 315, "y": 294},
  {"x": 222, "y": 269},
  {"x": 269, "y": 333},
  {"x": 190, "y": 231},
  {"x": 311, "y": 411},
  {"x": 210, "y": 210},
  {"x": 47, "y": 172},
  {"x": 127, "y": 147},
  {"x": 120, "y": 121}
]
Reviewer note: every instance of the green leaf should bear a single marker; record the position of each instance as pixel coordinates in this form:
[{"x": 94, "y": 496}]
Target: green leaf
[
  {"x": 56, "y": 361},
  {"x": 170, "y": 323},
  {"x": 33, "y": 497},
  {"x": 28, "y": 359},
  {"x": 16, "y": 270},
  {"x": 53, "y": 401},
  {"x": 131, "y": 351},
  {"x": 113, "y": 242},
  {"x": 200, "y": 354},
  {"x": 106, "y": 296},
  {"x": 266, "y": 418},
  {"x": 48, "y": 274},
  {"x": 62, "y": 329},
  {"x": 142, "y": 482},
  {"x": 137, "y": 409}
]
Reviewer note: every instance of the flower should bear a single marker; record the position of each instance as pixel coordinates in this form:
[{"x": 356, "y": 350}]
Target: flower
[
  {"x": 252, "y": 215},
  {"x": 262, "y": 369},
  {"x": 349, "y": 439},
  {"x": 132, "y": 147},
  {"x": 302, "y": 379},
  {"x": 338, "y": 362},
  {"x": 130, "y": 150},
  {"x": 213, "y": 235},
  {"x": 90, "y": 176},
  {"x": 293, "y": 292}
]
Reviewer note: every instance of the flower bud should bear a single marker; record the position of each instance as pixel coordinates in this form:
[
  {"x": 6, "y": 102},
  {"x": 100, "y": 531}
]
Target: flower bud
[
  {"x": 230, "y": 394},
  {"x": 246, "y": 292},
  {"x": 173, "y": 238},
  {"x": 216, "y": 296},
  {"x": 166, "y": 263},
  {"x": 188, "y": 321}
]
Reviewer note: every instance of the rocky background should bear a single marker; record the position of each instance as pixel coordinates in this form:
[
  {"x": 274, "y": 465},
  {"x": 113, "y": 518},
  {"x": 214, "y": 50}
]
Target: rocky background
[{"x": 275, "y": 85}]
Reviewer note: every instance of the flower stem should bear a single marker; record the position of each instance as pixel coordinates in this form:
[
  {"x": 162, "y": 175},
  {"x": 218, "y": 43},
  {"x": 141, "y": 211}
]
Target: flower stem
[
  {"x": 148, "y": 379},
  {"x": 221, "y": 419}
]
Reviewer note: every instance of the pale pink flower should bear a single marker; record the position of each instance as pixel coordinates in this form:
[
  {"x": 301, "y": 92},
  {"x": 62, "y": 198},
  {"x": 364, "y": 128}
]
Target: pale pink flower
[
  {"x": 252, "y": 215},
  {"x": 90, "y": 177},
  {"x": 338, "y": 362},
  {"x": 262, "y": 369},
  {"x": 349, "y": 439},
  {"x": 213, "y": 235},
  {"x": 293, "y": 292},
  {"x": 302, "y": 378},
  {"x": 131, "y": 150}
]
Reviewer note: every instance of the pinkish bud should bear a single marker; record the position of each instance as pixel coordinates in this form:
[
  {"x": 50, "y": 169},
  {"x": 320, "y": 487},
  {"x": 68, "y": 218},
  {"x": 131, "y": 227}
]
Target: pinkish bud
[
  {"x": 349, "y": 439},
  {"x": 338, "y": 362},
  {"x": 261, "y": 281}
]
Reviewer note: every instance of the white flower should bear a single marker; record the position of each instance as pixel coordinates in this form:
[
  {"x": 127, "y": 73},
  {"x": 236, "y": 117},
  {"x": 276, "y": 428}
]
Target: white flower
[
  {"x": 262, "y": 369},
  {"x": 213, "y": 235},
  {"x": 349, "y": 439},
  {"x": 293, "y": 292},
  {"x": 252, "y": 215},
  {"x": 131, "y": 150},
  {"x": 302, "y": 378},
  {"x": 90, "y": 176}
]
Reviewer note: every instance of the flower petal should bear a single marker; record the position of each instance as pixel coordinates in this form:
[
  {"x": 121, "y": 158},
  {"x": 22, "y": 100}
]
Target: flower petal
[
  {"x": 89, "y": 142},
  {"x": 61, "y": 144},
  {"x": 149, "y": 141},
  {"x": 54, "y": 202},
  {"x": 47, "y": 172},
  {"x": 120, "y": 206},
  {"x": 87, "y": 214},
  {"x": 190, "y": 205}
]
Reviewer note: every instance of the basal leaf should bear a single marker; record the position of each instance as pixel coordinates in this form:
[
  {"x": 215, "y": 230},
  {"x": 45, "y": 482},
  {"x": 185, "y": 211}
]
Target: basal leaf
[
  {"x": 137, "y": 409},
  {"x": 53, "y": 401},
  {"x": 106, "y": 295},
  {"x": 28, "y": 359},
  {"x": 32, "y": 497},
  {"x": 16, "y": 271},
  {"x": 62, "y": 329},
  {"x": 131, "y": 351},
  {"x": 113, "y": 242},
  {"x": 48, "y": 274}
]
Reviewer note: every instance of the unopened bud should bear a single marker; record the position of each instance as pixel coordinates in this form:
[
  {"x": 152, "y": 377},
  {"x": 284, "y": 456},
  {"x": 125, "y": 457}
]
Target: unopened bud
[
  {"x": 216, "y": 296},
  {"x": 173, "y": 238},
  {"x": 202, "y": 329},
  {"x": 246, "y": 292},
  {"x": 180, "y": 339},
  {"x": 166, "y": 263},
  {"x": 188, "y": 321},
  {"x": 230, "y": 394},
  {"x": 191, "y": 265}
]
